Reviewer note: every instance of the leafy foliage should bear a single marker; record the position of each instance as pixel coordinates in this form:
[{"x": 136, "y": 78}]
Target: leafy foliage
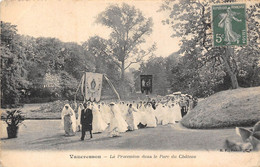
[
  {"x": 39, "y": 67},
  {"x": 128, "y": 31},
  {"x": 45, "y": 69},
  {"x": 14, "y": 117},
  {"x": 13, "y": 62},
  {"x": 160, "y": 68},
  {"x": 206, "y": 67}
]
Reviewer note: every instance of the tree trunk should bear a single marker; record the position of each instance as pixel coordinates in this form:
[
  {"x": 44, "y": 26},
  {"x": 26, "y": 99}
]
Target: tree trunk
[
  {"x": 230, "y": 72},
  {"x": 234, "y": 81},
  {"x": 122, "y": 82},
  {"x": 252, "y": 78},
  {"x": 123, "y": 71}
]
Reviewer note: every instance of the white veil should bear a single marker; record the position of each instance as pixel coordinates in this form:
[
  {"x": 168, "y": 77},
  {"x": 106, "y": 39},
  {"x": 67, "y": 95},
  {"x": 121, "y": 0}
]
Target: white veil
[{"x": 72, "y": 114}]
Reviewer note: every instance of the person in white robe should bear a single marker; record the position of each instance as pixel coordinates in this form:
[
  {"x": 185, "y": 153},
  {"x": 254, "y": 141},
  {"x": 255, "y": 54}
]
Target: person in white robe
[
  {"x": 171, "y": 115},
  {"x": 81, "y": 107},
  {"x": 98, "y": 124},
  {"x": 165, "y": 114},
  {"x": 68, "y": 120},
  {"x": 177, "y": 112},
  {"x": 142, "y": 113},
  {"x": 159, "y": 113},
  {"x": 132, "y": 118},
  {"x": 150, "y": 116},
  {"x": 117, "y": 124},
  {"x": 123, "y": 109},
  {"x": 105, "y": 112}
]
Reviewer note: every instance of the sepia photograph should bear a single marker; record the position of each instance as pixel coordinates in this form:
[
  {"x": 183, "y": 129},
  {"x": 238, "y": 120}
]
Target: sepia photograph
[{"x": 130, "y": 83}]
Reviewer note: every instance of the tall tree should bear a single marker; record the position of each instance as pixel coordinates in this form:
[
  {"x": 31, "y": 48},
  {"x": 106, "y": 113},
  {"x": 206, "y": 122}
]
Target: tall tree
[
  {"x": 129, "y": 28},
  {"x": 76, "y": 60},
  {"x": 191, "y": 20},
  {"x": 96, "y": 46},
  {"x": 13, "y": 62}
]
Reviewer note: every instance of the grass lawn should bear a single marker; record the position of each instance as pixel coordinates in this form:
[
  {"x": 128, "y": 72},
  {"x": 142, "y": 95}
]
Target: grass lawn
[{"x": 239, "y": 107}]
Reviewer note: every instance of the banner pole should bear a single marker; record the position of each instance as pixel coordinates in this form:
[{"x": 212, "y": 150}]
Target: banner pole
[
  {"x": 111, "y": 85},
  {"x": 75, "y": 97}
]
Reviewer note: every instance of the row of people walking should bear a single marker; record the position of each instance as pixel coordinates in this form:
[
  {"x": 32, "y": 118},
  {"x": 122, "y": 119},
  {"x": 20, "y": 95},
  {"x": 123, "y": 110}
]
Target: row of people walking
[{"x": 118, "y": 118}]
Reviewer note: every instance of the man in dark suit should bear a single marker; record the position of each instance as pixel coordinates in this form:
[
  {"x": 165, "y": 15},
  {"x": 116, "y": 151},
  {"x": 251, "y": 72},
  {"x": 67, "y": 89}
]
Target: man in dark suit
[{"x": 86, "y": 120}]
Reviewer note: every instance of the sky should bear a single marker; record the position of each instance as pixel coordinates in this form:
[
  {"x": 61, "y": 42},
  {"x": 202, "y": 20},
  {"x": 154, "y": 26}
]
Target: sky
[{"x": 74, "y": 20}]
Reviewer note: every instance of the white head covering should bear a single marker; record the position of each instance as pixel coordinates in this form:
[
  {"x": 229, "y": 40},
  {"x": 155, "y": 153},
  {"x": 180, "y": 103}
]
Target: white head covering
[
  {"x": 95, "y": 107},
  {"x": 112, "y": 103},
  {"x": 66, "y": 111},
  {"x": 71, "y": 113}
]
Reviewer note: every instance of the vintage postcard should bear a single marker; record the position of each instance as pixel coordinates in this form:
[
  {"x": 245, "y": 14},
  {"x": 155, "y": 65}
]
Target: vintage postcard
[{"x": 130, "y": 83}]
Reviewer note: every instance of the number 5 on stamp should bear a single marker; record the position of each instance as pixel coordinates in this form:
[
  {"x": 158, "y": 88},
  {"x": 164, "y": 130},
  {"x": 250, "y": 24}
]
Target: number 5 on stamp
[{"x": 229, "y": 24}]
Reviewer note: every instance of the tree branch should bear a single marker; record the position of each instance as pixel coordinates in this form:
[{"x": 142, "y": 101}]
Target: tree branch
[
  {"x": 116, "y": 63},
  {"x": 140, "y": 58},
  {"x": 134, "y": 42},
  {"x": 131, "y": 64}
]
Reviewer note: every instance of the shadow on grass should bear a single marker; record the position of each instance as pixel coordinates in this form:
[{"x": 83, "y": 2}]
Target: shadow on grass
[
  {"x": 61, "y": 139},
  {"x": 90, "y": 140},
  {"x": 50, "y": 139},
  {"x": 86, "y": 141}
]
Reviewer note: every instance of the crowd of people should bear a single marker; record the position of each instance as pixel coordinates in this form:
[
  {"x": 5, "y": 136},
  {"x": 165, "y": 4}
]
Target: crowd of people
[{"x": 115, "y": 118}]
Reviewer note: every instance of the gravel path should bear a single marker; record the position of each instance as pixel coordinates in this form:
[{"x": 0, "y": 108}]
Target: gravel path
[{"x": 48, "y": 135}]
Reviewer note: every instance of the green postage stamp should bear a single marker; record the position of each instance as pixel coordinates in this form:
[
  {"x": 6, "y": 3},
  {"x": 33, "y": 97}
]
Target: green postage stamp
[{"x": 229, "y": 24}]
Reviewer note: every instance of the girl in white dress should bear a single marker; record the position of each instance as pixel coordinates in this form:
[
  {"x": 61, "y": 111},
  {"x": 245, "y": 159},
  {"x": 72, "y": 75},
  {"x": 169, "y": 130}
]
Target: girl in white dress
[
  {"x": 98, "y": 124},
  {"x": 159, "y": 113},
  {"x": 80, "y": 108},
  {"x": 117, "y": 123},
  {"x": 131, "y": 118},
  {"x": 150, "y": 116},
  {"x": 123, "y": 109},
  {"x": 177, "y": 112},
  {"x": 68, "y": 120},
  {"x": 105, "y": 112},
  {"x": 143, "y": 114},
  {"x": 171, "y": 115},
  {"x": 165, "y": 114}
]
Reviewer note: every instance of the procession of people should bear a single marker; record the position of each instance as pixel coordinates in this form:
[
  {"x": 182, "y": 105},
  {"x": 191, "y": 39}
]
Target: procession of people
[{"x": 115, "y": 118}]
